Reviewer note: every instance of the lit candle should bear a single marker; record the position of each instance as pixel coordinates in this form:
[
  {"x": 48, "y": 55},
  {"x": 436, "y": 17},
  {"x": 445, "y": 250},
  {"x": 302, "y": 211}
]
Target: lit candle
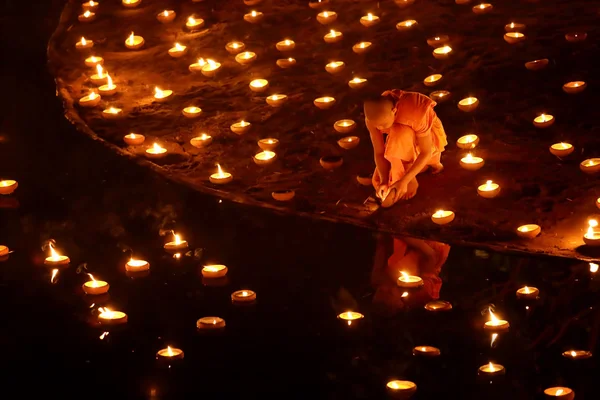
[
  {"x": 169, "y": 354},
  {"x": 438, "y": 305},
  {"x": 514, "y": 27},
  {"x": 285, "y": 45},
  {"x": 235, "y": 47},
  {"x": 131, "y": 3},
  {"x": 592, "y": 235},
  {"x": 90, "y": 5},
  {"x": 594, "y": 267},
  {"x": 330, "y": 163},
  {"x": 369, "y": 20},
  {"x": 220, "y": 177},
  {"x": 99, "y": 78},
  {"x": 94, "y": 287},
  {"x": 362, "y": 47},
  {"x": 243, "y": 297},
  {"x": 349, "y": 142},
  {"x": 326, "y": 17},
  {"x": 133, "y": 139},
  {"x": 350, "y": 316},
  {"x": 344, "y": 126},
  {"x": 137, "y": 265},
  {"x": 442, "y": 53},
  {"x": 253, "y": 17},
  {"x": 590, "y": 166},
  {"x": 406, "y": 25},
  {"x": 432, "y": 80},
  {"x": 90, "y": 100},
  {"x": 440, "y": 96},
  {"x": 286, "y": 62},
  {"x": 543, "y": 121},
  {"x": 7, "y": 186},
  {"x": 467, "y": 142},
  {"x": 483, "y": 8},
  {"x": 577, "y": 354},
  {"x": 84, "y": 44},
  {"x": 201, "y": 141},
  {"x": 211, "y": 68},
  {"x": 489, "y": 190},
  {"x": 197, "y": 66},
  {"x": 268, "y": 144},
  {"x": 276, "y": 100},
  {"x": 333, "y": 36},
  {"x": 318, "y": 3},
  {"x": 134, "y": 42},
  {"x": 265, "y": 157},
  {"x": 210, "y": 323},
  {"x": 398, "y": 389},
  {"x": 561, "y": 149},
  {"x": 214, "y": 271},
  {"x": 156, "y": 151},
  {"x": 574, "y": 87},
  {"x": 87, "y": 16},
  {"x": 191, "y": 112},
  {"x": 178, "y": 50},
  {"x": 56, "y": 259},
  {"x": 112, "y": 113},
  {"x": 514, "y": 37},
  {"x": 4, "y": 251},
  {"x": 426, "y": 351},
  {"x": 491, "y": 369},
  {"x": 92, "y": 61},
  {"x": 109, "y": 89},
  {"x": 177, "y": 244},
  {"x": 409, "y": 281},
  {"x": 109, "y": 317},
  {"x": 283, "y": 195},
  {"x": 241, "y": 127},
  {"x": 194, "y": 23},
  {"x": 528, "y": 293},
  {"x": 558, "y": 392},
  {"x": 245, "y": 58},
  {"x": 471, "y": 163},
  {"x": 468, "y": 104},
  {"x": 537, "y": 65},
  {"x": 442, "y": 217},
  {"x": 259, "y": 85},
  {"x": 495, "y": 324},
  {"x": 357, "y": 83},
  {"x": 438, "y": 41},
  {"x": 334, "y": 67},
  {"x": 324, "y": 103},
  {"x": 576, "y": 37},
  {"x": 166, "y": 16},
  {"x": 162, "y": 95},
  {"x": 528, "y": 231}
]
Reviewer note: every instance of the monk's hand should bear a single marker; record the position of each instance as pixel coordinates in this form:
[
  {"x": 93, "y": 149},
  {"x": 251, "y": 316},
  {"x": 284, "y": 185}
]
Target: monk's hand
[
  {"x": 401, "y": 188},
  {"x": 382, "y": 191}
]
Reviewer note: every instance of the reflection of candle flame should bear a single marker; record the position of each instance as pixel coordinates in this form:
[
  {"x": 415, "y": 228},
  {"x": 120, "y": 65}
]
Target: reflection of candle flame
[
  {"x": 54, "y": 274},
  {"x": 105, "y": 334},
  {"x": 405, "y": 294},
  {"x": 593, "y": 267},
  {"x": 494, "y": 337}
]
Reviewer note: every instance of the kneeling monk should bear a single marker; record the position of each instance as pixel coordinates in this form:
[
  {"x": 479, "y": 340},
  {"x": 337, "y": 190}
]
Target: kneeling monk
[{"x": 408, "y": 137}]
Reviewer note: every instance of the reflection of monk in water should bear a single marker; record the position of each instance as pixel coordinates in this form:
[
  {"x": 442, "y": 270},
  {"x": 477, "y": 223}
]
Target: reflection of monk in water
[{"x": 418, "y": 257}]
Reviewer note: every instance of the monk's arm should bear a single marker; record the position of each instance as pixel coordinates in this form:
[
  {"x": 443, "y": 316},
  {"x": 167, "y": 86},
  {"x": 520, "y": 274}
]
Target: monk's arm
[
  {"x": 383, "y": 165},
  {"x": 425, "y": 145}
]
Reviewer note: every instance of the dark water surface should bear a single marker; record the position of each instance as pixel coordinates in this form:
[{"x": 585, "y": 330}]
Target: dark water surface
[{"x": 95, "y": 205}]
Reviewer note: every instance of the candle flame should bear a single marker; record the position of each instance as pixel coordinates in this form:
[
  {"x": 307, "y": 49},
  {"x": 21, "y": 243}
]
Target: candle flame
[
  {"x": 191, "y": 21},
  {"x": 100, "y": 71},
  {"x": 287, "y": 42},
  {"x": 87, "y": 14},
  {"x": 220, "y": 173},
  {"x": 253, "y": 13},
  {"x": 409, "y": 23},
  {"x": 54, "y": 256},
  {"x": 491, "y": 367},
  {"x": 573, "y": 353},
  {"x": 526, "y": 290},
  {"x": 235, "y": 45},
  {"x": 157, "y": 148},
  {"x": 512, "y": 24},
  {"x": 439, "y": 213},
  {"x": 166, "y": 13},
  {"x": 592, "y": 224},
  {"x": 326, "y": 14},
  {"x": 593, "y": 267},
  {"x": 83, "y": 41},
  {"x": 105, "y": 312},
  {"x": 493, "y": 319},
  {"x": 105, "y": 334},
  {"x": 92, "y": 95},
  {"x": 494, "y": 337},
  {"x": 290, "y": 59},
  {"x": 169, "y": 351},
  {"x": 132, "y": 136},
  {"x": 404, "y": 275},
  {"x": 177, "y": 239},
  {"x": 92, "y": 277},
  {"x": 109, "y": 82},
  {"x": 370, "y": 17},
  {"x": 212, "y": 63},
  {"x": 559, "y": 392},
  {"x": 131, "y": 40},
  {"x": 332, "y": 32},
  {"x": 113, "y": 110},
  {"x": 179, "y": 47},
  {"x": 488, "y": 185},
  {"x": 54, "y": 275}
]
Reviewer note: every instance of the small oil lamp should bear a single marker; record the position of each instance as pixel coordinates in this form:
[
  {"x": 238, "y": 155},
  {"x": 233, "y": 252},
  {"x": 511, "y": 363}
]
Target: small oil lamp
[
  {"x": 191, "y": 112},
  {"x": 283, "y": 195},
  {"x": 468, "y": 104},
  {"x": 491, "y": 369},
  {"x": 201, "y": 141},
  {"x": 426, "y": 351},
  {"x": 514, "y": 27},
  {"x": 90, "y": 100},
  {"x": 243, "y": 297},
  {"x": 259, "y": 85},
  {"x": 254, "y": 17},
  {"x": 438, "y": 305},
  {"x": 432, "y": 80},
  {"x": 109, "y": 317},
  {"x": 406, "y": 25},
  {"x": 137, "y": 265},
  {"x": 214, "y": 271},
  {"x": 109, "y": 89},
  {"x": 350, "y": 316},
  {"x": 178, "y": 50},
  {"x": 285, "y": 45},
  {"x": 235, "y": 47},
  {"x": 561, "y": 149},
  {"x": 84, "y": 44},
  {"x": 131, "y": 3},
  {"x": 543, "y": 121},
  {"x": 514, "y": 37},
  {"x": 194, "y": 23},
  {"x": 94, "y": 287},
  {"x": 357, "y": 83},
  {"x": 92, "y": 61},
  {"x": 559, "y": 393},
  {"x": 4, "y": 251},
  {"x": 276, "y": 100},
  {"x": 166, "y": 16},
  {"x": 169, "y": 354},
  {"x": 333, "y": 36},
  {"x": 265, "y": 157},
  {"x": 574, "y": 87},
  {"x": 90, "y": 5},
  {"x": 398, "y": 389},
  {"x": 268, "y": 144},
  {"x": 245, "y": 58},
  {"x": 286, "y": 62},
  {"x": 133, "y": 139},
  {"x": 590, "y": 166},
  {"x": 409, "y": 281},
  {"x": 99, "y": 78},
  {"x": 576, "y": 37},
  {"x": 362, "y": 47},
  {"x": 344, "y": 126},
  {"x": 528, "y": 231},
  {"x": 330, "y": 163},
  {"x": 437, "y": 41},
  {"x": 495, "y": 324},
  {"x": 239, "y": 128},
  {"x": 324, "y": 103},
  {"x": 162, "y": 95},
  {"x": 177, "y": 244},
  {"x": 528, "y": 293},
  {"x": 87, "y": 16},
  {"x": 577, "y": 354},
  {"x": 489, "y": 190},
  {"x": 55, "y": 259},
  {"x": 134, "y": 42},
  {"x": 442, "y": 217},
  {"x": 537, "y": 65},
  {"x": 348, "y": 142},
  {"x": 211, "y": 68},
  {"x": 220, "y": 177},
  {"x": 326, "y": 17},
  {"x": 210, "y": 323},
  {"x": 335, "y": 66},
  {"x": 317, "y": 4},
  {"x": 369, "y": 20},
  {"x": 592, "y": 235},
  {"x": 442, "y": 53},
  {"x": 471, "y": 163},
  {"x": 483, "y": 8},
  {"x": 156, "y": 151},
  {"x": 467, "y": 142},
  {"x": 7, "y": 186}
]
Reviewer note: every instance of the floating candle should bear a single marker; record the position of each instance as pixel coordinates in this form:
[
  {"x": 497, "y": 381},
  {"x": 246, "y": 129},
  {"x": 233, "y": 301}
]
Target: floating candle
[
  {"x": 576, "y": 37},
  {"x": 442, "y": 217},
  {"x": 87, "y": 16},
  {"x": 245, "y": 58},
  {"x": 537, "y": 65},
  {"x": 409, "y": 281},
  {"x": 259, "y": 85},
  {"x": 241, "y": 127},
  {"x": 362, "y": 47},
  {"x": 491, "y": 369},
  {"x": 495, "y": 324},
  {"x": 162, "y": 95},
  {"x": 577, "y": 354},
  {"x": 483, "y": 8},
  {"x": 90, "y": 100},
  {"x": 285, "y": 45},
  {"x": 438, "y": 305},
  {"x": 357, "y": 83},
  {"x": 440, "y": 96},
  {"x": 592, "y": 235},
  {"x": 210, "y": 323},
  {"x": 7, "y": 186},
  {"x": 235, "y": 47},
  {"x": 344, "y": 125},
  {"x": 134, "y": 42},
  {"x": 109, "y": 89},
  {"x": 574, "y": 87},
  {"x": 112, "y": 113},
  {"x": 442, "y": 53},
  {"x": 324, "y": 103},
  {"x": 243, "y": 296},
  {"x": 514, "y": 37},
  {"x": 426, "y": 351},
  {"x": 109, "y": 317},
  {"x": 220, "y": 177},
  {"x": 438, "y": 41},
  {"x": 84, "y": 44},
  {"x": 326, "y": 17},
  {"x": 468, "y": 104},
  {"x": 398, "y": 389},
  {"x": 528, "y": 231},
  {"x": 543, "y": 121},
  {"x": 471, "y": 163},
  {"x": 178, "y": 50},
  {"x": 528, "y": 293},
  {"x": 56, "y": 259},
  {"x": 191, "y": 112},
  {"x": 558, "y": 392},
  {"x": 134, "y": 139},
  {"x": 254, "y": 17},
  {"x": 514, "y": 27},
  {"x": 99, "y": 78},
  {"x": 590, "y": 166},
  {"x": 335, "y": 66},
  {"x": 214, "y": 271},
  {"x": 330, "y": 163},
  {"x": 169, "y": 354},
  {"x": 265, "y": 157},
  {"x": 131, "y": 3},
  {"x": 90, "y": 5},
  {"x": 166, "y": 16},
  {"x": 286, "y": 62},
  {"x": 333, "y": 36},
  {"x": 349, "y": 142},
  {"x": 489, "y": 190},
  {"x": 432, "y": 80},
  {"x": 467, "y": 142},
  {"x": 268, "y": 144},
  {"x": 156, "y": 151},
  {"x": 194, "y": 23},
  {"x": 276, "y": 100},
  {"x": 350, "y": 316},
  {"x": 406, "y": 25},
  {"x": 137, "y": 265},
  {"x": 177, "y": 244},
  {"x": 94, "y": 287},
  {"x": 283, "y": 195},
  {"x": 369, "y": 20},
  {"x": 201, "y": 141},
  {"x": 561, "y": 149},
  {"x": 92, "y": 61}
]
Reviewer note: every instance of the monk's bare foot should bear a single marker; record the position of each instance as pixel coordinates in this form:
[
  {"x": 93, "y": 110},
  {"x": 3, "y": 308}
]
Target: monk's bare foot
[
  {"x": 437, "y": 168},
  {"x": 411, "y": 189}
]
